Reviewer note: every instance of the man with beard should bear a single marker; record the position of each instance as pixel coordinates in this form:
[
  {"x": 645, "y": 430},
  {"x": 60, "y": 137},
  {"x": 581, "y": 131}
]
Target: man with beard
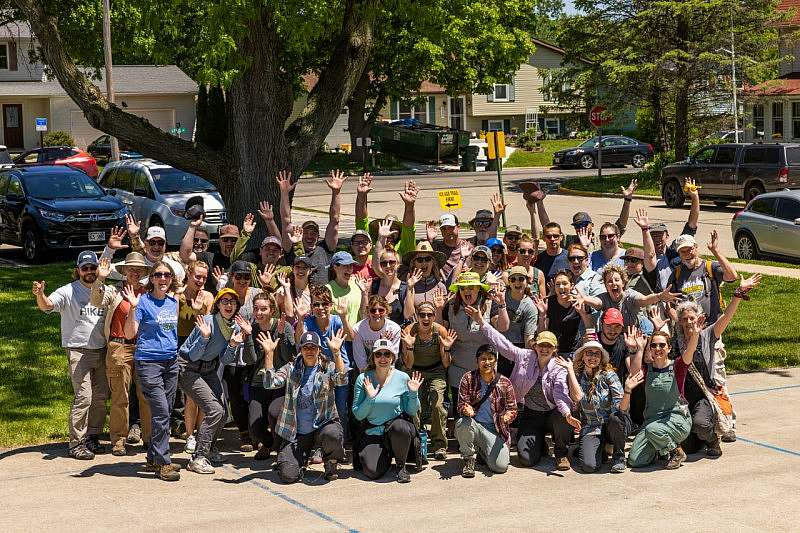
[
  {"x": 228, "y": 236},
  {"x": 83, "y": 338}
]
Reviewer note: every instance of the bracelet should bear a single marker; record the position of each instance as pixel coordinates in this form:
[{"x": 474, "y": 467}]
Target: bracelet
[
  {"x": 502, "y": 306},
  {"x": 645, "y": 228},
  {"x": 739, "y": 293}
]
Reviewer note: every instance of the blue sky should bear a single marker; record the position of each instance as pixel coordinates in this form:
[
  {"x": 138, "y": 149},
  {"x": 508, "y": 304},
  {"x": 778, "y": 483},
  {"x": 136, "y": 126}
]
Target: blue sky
[{"x": 569, "y": 8}]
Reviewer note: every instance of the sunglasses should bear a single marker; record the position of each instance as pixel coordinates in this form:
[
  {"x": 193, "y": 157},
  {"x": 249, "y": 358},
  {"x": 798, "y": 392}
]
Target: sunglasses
[
  {"x": 525, "y": 251},
  {"x": 658, "y": 344},
  {"x": 227, "y": 301},
  {"x": 382, "y": 355},
  {"x": 388, "y": 263},
  {"x": 608, "y": 237},
  {"x": 593, "y": 355},
  {"x": 164, "y": 275},
  {"x": 517, "y": 279},
  {"x": 377, "y": 310},
  {"x": 482, "y": 223},
  {"x": 227, "y": 239},
  {"x": 88, "y": 268},
  {"x": 423, "y": 259},
  {"x": 360, "y": 242},
  {"x": 156, "y": 242},
  {"x": 631, "y": 259},
  {"x": 201, "y": 241},
  {"x": 556, "y": 236},
  {"x": 241, "y": 276},
  {"x": 576, "y": 258},
  {"x": 498, "y": 250},
  {"x": 318, "y": 305},
  {"x": 425, "y": 315}
]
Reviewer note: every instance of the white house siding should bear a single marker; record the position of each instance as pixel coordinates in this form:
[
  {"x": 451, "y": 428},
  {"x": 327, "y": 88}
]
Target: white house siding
[{"x": 25, "y": 70}]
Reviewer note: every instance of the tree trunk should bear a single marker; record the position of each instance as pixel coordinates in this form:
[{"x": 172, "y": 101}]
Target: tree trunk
[{"x": 356, "y": 116}]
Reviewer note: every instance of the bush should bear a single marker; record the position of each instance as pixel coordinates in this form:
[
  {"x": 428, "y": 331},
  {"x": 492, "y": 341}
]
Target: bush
[
  {"x": 527, "y": 140},
  {"x": 59, "y": 138},
  {"x": 651, "y": 173}
]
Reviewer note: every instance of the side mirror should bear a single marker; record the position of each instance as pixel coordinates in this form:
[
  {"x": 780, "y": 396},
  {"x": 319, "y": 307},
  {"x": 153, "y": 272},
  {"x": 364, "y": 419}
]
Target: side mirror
[{"x": 797, "y": 222}]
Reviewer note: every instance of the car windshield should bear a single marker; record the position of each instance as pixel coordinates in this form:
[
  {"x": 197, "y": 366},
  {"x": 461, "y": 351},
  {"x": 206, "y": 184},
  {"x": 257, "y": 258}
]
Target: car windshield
[
  {"x": 72, "y": 185},
  {"x": 590, "y": 143},
  {"x": 172, "y": 180}
]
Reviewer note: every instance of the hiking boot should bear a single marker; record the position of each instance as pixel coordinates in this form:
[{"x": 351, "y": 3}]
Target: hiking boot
[
  {"x": 191, "y": 445},
  {"x": 263, "y": 453},
  {"x": 469, "y": 467},
  {"x": 92, "y": 442},
  {"x": 713, "y": 449},
  {"x": 440, "y": 454},
  {"x": 134, "y": 434},
  {"x": 729, "y": 436},
  {"x": 119, "y": 448},
  {"x": 200, "y": 465},
  {"x": 167, "y": 473},
  {"x": 81, "y": 452},
  {"x": 246, "y": 445},
  {"x": 402, "y": 476},
  {"x": 331, "y": 470},
  {"x": 618, "y": 464},
  {"x": 676, "y": 458},
  {"x": 151, "y": 467},
  {"x": 562, "y": 463},
  {"x": 316, "y": 457}
]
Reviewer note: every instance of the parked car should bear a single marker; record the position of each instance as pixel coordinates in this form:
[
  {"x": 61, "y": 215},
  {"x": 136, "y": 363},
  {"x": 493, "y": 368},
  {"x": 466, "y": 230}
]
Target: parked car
[
  {"x": 60, "y": 155},
  {"x": 159, "y": 195},
  {"x": 51, "y": 207},
  {"x": 768, "y": 226},
  {"x": 731, "y": 172},
  {"x": 100, "y": 149},
  {"x": 617, "y": 150}
]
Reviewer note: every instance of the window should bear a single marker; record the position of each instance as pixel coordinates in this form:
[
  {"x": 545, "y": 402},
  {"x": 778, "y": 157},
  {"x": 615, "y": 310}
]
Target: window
[
  {"x": 501, "y": 92},
  {"x": 726, "y": 155},
  {"x": 141, "y": 183},
  {"x": 763, "y": 206},
  {"x": 777, "y": 120},
  {"x": 793, "y": 155},
  {"x": 760, "y": 155},
  {"x": 705, "y": 156},
  {"x": 122, "y": 179},
  {"x": 495, "y": 125},
  {"x": 551, "y": 126},
  {"x": 4, "y": 56},
  {"x": 406, "y": 111},
  {"x": 788, "y": 209},
  {"x": 758, "y": 121},
  {"x": 796, "y": 120}
]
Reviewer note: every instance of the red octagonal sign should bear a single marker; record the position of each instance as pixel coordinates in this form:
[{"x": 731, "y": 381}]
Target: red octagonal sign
[{"x": 596, "y": 116}]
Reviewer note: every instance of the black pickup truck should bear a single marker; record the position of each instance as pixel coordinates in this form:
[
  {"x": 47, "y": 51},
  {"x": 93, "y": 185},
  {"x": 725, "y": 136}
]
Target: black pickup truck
[{"x": 731, "y": 172}]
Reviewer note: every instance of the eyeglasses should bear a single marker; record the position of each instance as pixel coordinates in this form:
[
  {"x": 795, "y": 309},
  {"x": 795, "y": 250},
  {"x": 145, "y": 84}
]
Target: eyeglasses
[
  {"x": 482, "y": 223},
  {"x": 425, "y": 315},
  {"x": 574, "y": 258},
  {"x": 88, "y": 268},
  {"x": 156, "y": 242},
  {"x": 360, "y": 242},
  {"x": 382, "y": 355},
  {"x": 164, "y": 275},
  {"x": 608, "y": 237},
  {"x": 227, "y": 239},
  {"x": 317, "y": 305},
  {"x": 525, "y": 251},
  {"x": 388, "y": 263},
  {"x": 631, "y": 259},
  {"x": 377, "y": 310},
  {"x": 517, "y": 279},
  {"x": 514, "y": 237},
  {"x": 201, "y": 241},
  {"x": 423, "y": 259},
  {"x": 552, "y": 236},
  {"x": 591, "y": 354},
  {"x": 227, "y": 301},
  {"x": 658, "y": 344},
  {"x": 241, "y": 276}
]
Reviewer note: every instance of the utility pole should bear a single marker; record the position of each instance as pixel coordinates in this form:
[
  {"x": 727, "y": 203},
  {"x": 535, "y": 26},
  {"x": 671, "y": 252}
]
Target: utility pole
[
  {"x": 735, "y": 103},
  {"x": 109, "y": 66}
]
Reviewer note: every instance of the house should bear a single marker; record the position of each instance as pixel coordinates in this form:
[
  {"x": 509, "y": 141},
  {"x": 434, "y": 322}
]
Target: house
[
  {"x": 516, "y": 106},
  {"x": 164, "y": 95}
]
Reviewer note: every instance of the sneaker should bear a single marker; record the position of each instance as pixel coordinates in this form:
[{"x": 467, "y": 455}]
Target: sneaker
[
  {"x": 440, "y": 454},
  {"x": 200, "y": 465},
  {"x": 134, "y": 434},
  {"x": 191, "y": 444},
  {"x": 246, "y": 445},
  {"x": 562, "y": 463},
  {"x": 81, "y": 452},
  {"x": 618, "y": 464},
  {"x": 729, "y": 436},
  {"x": 119, "y": 448},
  {"x": 331, "y": 470},
  {"x": 92, "y": 442},
  {"x": 676, "y": 458},
  {"x": 263, "y": 453},
  {"x": 402, "y": 476},
  {"x": 316, "y": 457},
  {"x": 215, "y": 457},
  {"x": 469, "y": 467},
  {"x": 167, "y": 473},
  {"x": 714, "y": 449}
]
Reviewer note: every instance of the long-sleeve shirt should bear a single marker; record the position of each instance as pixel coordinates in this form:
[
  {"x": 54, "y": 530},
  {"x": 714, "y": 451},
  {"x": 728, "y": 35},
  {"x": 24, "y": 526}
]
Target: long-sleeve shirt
[
  {"x": 290, "y": 375},
  {"x": 198, "y": 348},
  {"x": 526, "y": 372},
  {"x": 393, "y": 399},
  {"x": 502, "y": 400},
  {"x": 603, "y": 402},
  {"x": 365, "y": 337}
]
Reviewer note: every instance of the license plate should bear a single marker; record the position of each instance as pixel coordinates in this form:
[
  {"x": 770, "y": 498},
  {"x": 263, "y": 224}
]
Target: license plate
[
  {"x": 557, "y": 159},
  {"x": 96, "y": 236}
]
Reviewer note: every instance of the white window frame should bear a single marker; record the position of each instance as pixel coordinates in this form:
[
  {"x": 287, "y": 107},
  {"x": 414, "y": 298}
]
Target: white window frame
[
  {"x": 413, "y": 112},
  {"x": 531, "y": 119},
  {"x": 8, "y": 59},
  {"x": 508, "y": 92},
  {"x": 547, "y": 126},
  {"x": 495, "y": 122},
  {"x": 462, "y": 115}
]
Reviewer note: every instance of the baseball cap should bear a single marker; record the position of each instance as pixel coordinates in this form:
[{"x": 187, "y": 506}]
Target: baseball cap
[
  {"x": 155, "y": 232},
  {"x": 512, "y": 229},
  {"x": 448, "y": 220},
  {"x": 685, "y": 241},
  {"x": 518, "y": 270},
  {"x": 195, "y": 212},
  {"x": 613, "y": 316},
  {"x": 658, "y": 226},
  {"x": 481, "y": 249},
  {"x": 547, "y": 337},
  {"x": 636, "y": 253},
  {"x": 342, "y": 259},
  {"x": 240, "y": 267},
  {"x": 361, "y": 232},
  {"x": 87, "y": 257},
  {"x": 581, "y": 218},
  {"x": 271, "y": 240},
  {"x": 310, "y": 224},
  {"x": 482, "y": 214},
  {"x": 310, "y": 338},
  {"x": 228, "y": 230},
  {"x": 303, "y": 259},
  {"x": 384, "y": 344},
  {"x": 494, "y": 241}
]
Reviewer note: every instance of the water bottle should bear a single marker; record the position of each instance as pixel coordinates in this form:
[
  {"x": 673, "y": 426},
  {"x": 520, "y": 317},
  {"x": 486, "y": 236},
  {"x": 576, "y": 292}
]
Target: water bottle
[{"x": 423, "y": 438}]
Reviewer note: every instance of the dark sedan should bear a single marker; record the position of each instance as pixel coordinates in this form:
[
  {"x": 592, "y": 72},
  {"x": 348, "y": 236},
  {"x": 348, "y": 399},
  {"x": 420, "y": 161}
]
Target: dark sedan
[
  {"x": 617, "y": 150},
  {"x": 101, "y": 150}
]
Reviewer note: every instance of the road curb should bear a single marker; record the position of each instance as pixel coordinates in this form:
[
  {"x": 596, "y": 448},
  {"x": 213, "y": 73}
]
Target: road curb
[{"x": 593, "y": 194}]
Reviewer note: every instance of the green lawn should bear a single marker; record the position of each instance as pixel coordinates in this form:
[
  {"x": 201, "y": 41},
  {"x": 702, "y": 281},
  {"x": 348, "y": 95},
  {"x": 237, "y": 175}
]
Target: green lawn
[
  {"x": 648, "y": 185},
  {"x": 522, "y": 158},
  {"x": 35, "y": 393},
  {"x": 326, "y": 161}
]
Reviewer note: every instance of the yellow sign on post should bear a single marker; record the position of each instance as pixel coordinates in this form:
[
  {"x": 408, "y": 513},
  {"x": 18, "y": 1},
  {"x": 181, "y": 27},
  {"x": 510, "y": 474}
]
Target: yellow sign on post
[
  {"x": 501, "y": 144},
  {"x": 450, "y": 199}
]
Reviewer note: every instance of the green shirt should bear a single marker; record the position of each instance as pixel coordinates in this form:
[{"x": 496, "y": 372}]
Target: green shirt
[
  {"x": 408, "y": 236},
  {"x": 352, "y": 295}
]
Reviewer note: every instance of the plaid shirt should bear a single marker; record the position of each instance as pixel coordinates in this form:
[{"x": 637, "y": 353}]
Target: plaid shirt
[
  {"x": 290, "y": 375},
  {"x": 502, "y": 399}
]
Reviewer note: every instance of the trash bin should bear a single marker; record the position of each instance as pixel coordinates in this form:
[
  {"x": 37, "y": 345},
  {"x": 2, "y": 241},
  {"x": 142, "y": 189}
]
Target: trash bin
[
  {"x": 491, "y": 164},
  {"x": 469, "y": 158}
]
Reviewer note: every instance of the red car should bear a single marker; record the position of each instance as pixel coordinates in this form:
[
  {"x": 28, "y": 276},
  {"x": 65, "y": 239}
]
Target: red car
[{"x": 60, "y": 155}]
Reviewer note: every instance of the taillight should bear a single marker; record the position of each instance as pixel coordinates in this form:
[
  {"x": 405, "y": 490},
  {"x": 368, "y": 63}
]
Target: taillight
[{"x": 783, "y": 175}]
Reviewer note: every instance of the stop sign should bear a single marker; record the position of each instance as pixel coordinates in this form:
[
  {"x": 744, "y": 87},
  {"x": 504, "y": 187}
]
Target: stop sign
[{"x": 596, "y": 116}]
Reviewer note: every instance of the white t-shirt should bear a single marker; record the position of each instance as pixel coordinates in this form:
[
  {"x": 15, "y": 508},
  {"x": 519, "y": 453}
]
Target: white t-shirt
[
  {"x": 365, "y": 337},
  {"x": 81, "y": 322}
]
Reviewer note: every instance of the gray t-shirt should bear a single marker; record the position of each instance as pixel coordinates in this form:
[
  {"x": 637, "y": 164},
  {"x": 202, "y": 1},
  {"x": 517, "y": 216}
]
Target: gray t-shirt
[
  {"x": 627, "y": 306},
  {"x": 464, "y": 349},
  {"x": 523, "y": 316},
  {"x": 534, "y": 399},
  {"x": 81, "y": 322}
]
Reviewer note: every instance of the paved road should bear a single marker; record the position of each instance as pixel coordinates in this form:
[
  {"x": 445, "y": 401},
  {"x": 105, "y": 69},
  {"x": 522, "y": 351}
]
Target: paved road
[{"x": 752, "y": 487}]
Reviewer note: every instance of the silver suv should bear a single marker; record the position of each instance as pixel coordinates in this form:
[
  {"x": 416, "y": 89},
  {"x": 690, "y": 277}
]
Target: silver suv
[
  {"x": 768, "y": 226},
  {"x": 158, "y": 195}
]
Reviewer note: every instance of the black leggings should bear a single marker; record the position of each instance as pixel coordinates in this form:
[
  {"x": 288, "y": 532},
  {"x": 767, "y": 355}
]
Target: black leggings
[
  {"x": 261, "y": 423},
  {"x": 235, "y": 379},
  {"x": 374, "y": 453},
  {"x": 292, "y": 456},
  {"x": 533, "y": 425}
]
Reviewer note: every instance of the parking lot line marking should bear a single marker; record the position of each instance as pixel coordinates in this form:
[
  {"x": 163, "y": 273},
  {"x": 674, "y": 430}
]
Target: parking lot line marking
[
  {"x": 303, "y": 507},
  {"x": 764, "y": 390},
  {"x": 768, "y": 446}
]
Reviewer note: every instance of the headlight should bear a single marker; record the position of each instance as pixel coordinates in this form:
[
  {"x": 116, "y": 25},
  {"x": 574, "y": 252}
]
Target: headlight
[
  {"x": 55, "y": 216},
  {"x": 571, "y": 152},
  {"x": 178, "y": 212}
]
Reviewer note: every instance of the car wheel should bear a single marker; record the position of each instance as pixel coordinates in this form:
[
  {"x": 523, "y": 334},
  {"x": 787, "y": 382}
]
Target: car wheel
[
  {"x": 721, "y": 203},
  {"x": 638, "y": 160},
  {"x": 746, "y": 247},
  {"x": 673, "y": 194},
  {"x": 752, "y": 190},
  {"x": 587, "y": 161},
  {"x": 32, "y": 248}
]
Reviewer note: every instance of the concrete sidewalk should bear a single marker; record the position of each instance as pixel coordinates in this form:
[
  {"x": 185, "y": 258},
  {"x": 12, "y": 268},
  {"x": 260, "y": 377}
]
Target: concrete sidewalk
[{"x": 752, "y": 487}]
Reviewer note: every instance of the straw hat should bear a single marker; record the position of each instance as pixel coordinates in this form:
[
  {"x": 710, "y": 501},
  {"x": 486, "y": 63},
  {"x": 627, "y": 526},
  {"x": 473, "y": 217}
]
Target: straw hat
[
  {"x": 468, "y": 279},
  {"x": 133, "y": 259},
  {"x": 424, "y": 247}
]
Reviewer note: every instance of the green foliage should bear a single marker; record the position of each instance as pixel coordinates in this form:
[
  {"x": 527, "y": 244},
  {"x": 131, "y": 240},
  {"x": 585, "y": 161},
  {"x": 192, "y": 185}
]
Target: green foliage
[
  {"x": 544, "y": 158},
  {"x": 527, "y": 140},
  {"x": 58, "y": 138}
]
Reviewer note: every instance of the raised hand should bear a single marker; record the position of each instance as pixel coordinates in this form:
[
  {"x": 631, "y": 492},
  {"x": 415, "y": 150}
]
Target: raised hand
[
  {"x": 641, "y": 218},
  {"x": 498, "y": 205},
  {"x": 369, "y": 388},
  {"x": 713, "y": 246},
  {"x": 415, "y": 381},
  {"x": 133, "y": 225},
  {"x": 341, "y": 307},
  {"x": 197, "y": 302},
  {"x": 628, "y": 191},
  {"x": 363, "y": 282},
  {"x": 296, "y": 234},
  {"x": 632, "y": 336},
  {"x": 498, "y": 295},
  {"x": 301, "y": 307},
  {"x": 202, "y": 327},
  {"x": 38, "y": 288},
  {"x": 249, "y": 224},
  {"x": 431, "y": 230},
  {"x": 237, "y": 338},
  {"x": 583, "y": 236},
  {"x": 564, "y": 363},
  {"x": 410, "y": 192},
  {"x": 574, "y": 422},
  {"x": 265, "y": 211},
  {"x": 364, "y": 183},
  {"x": 283, "y": 281},
  {"x": 265, "y": 276},
  {"x": 244, "y": 325},
  {"x": 475, "y": 314},
  {"x": 197, "y": 222},
  {"x": 657, "y": 317},
  {"x": 408, "y": 339},
  {"x": 440, "y": 297},
  {"x": 103, "y": 269},
  {"x": 336, "y": 341},
  {"x": 129, "y": 294},
  {"x": 115, "y": 240},
  {"x": 284, "y": 179},
  {"x": 384, "y": 229},
  {"x": 666, "y": 296},
  {"x": 746, "y": 285},
  {"x": 336, "y": 180},
  {"x": 217, "y": 274},
  {"x": 540, "y": 303},
  {"x": 413, "y": 277},
  {"x": 465, "y": 248},
  {"x": 268, "y": 344},
  {"x": 448, "y": 340},
  {"x": 633, "y": 381},
  {"x": 491, "y": 279}
]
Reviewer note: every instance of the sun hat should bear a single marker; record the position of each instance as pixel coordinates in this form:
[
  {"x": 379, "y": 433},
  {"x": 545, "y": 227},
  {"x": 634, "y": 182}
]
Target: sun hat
[
  {"x": 481, "y": 214},
  {"x": 547, "y": 337},
  {"x": 424, "y": 247},
  {"x": 685, "y": 241},
  {"x": 133, "y": 259},
  {"x": 604, "y": 357},
  {"x": 468, "y": 279}
]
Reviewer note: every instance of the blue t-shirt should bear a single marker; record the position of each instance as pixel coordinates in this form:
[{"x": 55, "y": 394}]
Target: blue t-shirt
[
  {"x": 306, "y": 410},
  {"x": 157, "y": 339},
  {"x": 597, "y": 261},
  {"x": 392, "y": 400},
  {"x": 334, "y": 325},
  {"x": 484, "y": 415}
]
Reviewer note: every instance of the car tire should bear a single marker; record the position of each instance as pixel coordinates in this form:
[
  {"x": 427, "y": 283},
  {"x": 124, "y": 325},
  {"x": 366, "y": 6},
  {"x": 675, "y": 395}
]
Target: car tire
[
  {"x": 721, "y": 203},
  {"x": 638, "y": 160},
  {"x": 586, "y": 161},
  {"x": 672, "y": 193},
  {"x": 752, "y": 190},
  {"x": 32, "y": 247},
  {"x": 746, "y": 246}
]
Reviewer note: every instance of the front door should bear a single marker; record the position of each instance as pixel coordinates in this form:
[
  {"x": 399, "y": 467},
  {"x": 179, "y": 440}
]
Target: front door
[{"x": 12, "y": 126}]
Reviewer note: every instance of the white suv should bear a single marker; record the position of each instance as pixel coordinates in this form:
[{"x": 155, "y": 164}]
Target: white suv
[{"x": 158, "y": 195}]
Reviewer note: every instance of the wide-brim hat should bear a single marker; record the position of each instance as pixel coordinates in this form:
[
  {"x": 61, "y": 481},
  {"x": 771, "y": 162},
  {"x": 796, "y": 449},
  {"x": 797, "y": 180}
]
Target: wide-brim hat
[
  {"x": 133, "y": 259},
  {"x": 481, "y": 214},
  {"x": 604, "y": 357},
  {"x": 468, "y": 279},
  {"x": 373, "y": 226},
  {"x": 424, "y": 247}
]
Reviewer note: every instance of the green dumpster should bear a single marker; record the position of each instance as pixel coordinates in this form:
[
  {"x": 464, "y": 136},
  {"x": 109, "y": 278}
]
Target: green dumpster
[
  {"x": 469, "y": 158},
  {"x": 427, "y": 143}
]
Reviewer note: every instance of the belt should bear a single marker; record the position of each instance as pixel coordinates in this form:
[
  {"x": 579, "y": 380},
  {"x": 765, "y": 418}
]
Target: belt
[{"x": 122, "y": 340}]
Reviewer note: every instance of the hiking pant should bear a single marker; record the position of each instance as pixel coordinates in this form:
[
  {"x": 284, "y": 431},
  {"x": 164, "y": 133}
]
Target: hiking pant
[
  {"x": 431, "y": 396},
  {"x": 474, "y": 437},
  {"x": 120, "y": 374},
  {"x": 659, "y": 436},
  {"x": 203, "y": 386},
  {"x": 235, "y": 378},
  {"x": 293, "y": 456},
  {"x": 614, "y": 431},
  {"x": 262, "y": 425},
  {"x": 376, "y": 451},
  {"x": 533, "y": 426},
  {"x": 159, "y": 381},
  {"x": 87, "y": 372}
]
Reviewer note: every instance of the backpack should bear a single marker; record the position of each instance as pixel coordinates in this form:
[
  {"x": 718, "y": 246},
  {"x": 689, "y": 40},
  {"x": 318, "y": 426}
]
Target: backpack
[{"x": 710, "y": 275}]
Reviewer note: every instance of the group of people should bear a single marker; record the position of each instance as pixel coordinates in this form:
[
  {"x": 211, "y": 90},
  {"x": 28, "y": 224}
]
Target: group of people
[{"x": 387, "y": 346}]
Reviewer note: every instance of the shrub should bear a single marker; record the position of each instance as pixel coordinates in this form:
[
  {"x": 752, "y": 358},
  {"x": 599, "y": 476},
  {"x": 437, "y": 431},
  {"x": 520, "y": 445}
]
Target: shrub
[
  {"x": 58, "y": 138},
  {"x": 651, "y": 173}
]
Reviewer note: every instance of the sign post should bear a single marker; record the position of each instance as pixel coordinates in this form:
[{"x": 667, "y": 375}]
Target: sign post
[
  {"x": 41, "y": 127},
  {"x": 496, "y": 149},
  {"x": 598, "y": 117}
]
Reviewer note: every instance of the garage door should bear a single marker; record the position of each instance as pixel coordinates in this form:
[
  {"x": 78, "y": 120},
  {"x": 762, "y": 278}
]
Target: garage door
[{"x": 84, "y": 134}]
